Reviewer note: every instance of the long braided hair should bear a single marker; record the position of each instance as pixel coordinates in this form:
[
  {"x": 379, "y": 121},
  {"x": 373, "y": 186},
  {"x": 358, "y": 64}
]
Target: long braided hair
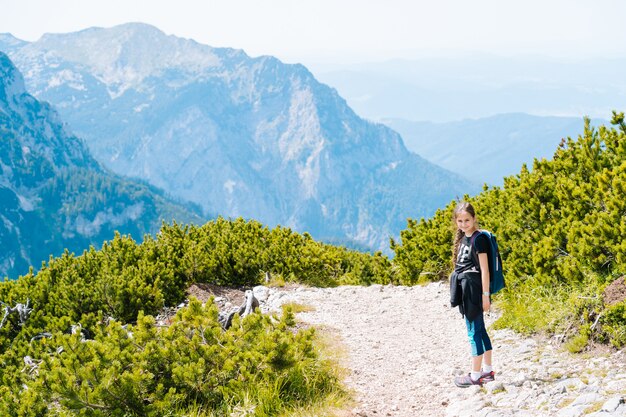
[{"x": 462, "y": 206}]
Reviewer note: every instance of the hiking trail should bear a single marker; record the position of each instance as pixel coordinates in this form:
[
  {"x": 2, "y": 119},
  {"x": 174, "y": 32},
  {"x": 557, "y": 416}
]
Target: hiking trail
[{"x": 405, "y": 345}]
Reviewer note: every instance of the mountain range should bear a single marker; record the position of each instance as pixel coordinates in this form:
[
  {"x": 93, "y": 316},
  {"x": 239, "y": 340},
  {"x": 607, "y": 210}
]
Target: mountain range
[
  {"x": 55, "y": 195},
  {"x": 239, "y": 136},
  {"x": 488, "y": 149}
]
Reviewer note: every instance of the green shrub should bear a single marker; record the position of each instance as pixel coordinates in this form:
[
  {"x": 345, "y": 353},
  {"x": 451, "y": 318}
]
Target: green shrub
[
  {"x": 150, "y": 371},
  {"x": 614, "y": 324},
  {"x": 560, "y": 227},
  {"x": 579, "y": 341},
  {"x": 530, "y": 307},
  {"x": 117, "y": 362}
]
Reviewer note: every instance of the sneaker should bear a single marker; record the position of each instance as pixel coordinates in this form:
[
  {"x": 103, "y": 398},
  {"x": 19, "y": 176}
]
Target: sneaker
[
  {"x": 488, "y": 377},
  {"x": 466, "y": 381}
]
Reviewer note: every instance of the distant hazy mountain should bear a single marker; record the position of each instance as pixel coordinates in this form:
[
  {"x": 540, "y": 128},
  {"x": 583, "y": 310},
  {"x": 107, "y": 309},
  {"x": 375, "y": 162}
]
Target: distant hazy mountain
[
  {"x": 486, "y": 150},
  {"x": 54, "y": 194},
  {"x": 9, "y": 43},
  {"x": 477, "y": 86},
  {"x": 239, "y": 136}
]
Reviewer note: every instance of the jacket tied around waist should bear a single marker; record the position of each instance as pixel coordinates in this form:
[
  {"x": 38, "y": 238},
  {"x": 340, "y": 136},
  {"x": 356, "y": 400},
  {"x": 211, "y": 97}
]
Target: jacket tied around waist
[{"x": 466, "y": 292}]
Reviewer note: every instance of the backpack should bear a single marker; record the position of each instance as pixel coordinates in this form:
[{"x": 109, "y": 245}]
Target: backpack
[{"x": 496, "y": 276}]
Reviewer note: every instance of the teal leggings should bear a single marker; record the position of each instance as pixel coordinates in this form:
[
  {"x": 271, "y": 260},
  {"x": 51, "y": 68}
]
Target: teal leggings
[{"x": 478, "y": 337}]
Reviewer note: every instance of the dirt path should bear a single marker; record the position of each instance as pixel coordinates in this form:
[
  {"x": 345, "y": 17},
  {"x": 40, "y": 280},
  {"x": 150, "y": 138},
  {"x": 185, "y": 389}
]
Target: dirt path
[
  {"x": 405, "y": 345},
  {"x": 399, "y": 340}
]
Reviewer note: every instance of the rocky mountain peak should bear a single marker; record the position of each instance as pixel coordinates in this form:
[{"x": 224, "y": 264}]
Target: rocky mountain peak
[
  {"x": 9, "y": 42},
  {"x": 124, "y": 55}
]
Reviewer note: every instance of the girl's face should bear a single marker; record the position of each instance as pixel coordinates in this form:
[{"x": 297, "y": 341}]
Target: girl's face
[{"x": 465, "y": 222}]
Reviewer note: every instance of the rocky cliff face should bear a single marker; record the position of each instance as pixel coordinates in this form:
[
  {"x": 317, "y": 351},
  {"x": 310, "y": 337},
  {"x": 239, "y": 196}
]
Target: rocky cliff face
[
  {"x": 240, "y": 136},
  {"x": 54, "y": 193}
]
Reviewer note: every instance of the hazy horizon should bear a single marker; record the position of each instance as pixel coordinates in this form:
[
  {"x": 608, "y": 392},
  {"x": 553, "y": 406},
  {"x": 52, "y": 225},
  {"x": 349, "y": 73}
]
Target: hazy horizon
[
  {"x": 481, "y": 58},
  {"x": 351, "y": 31}
]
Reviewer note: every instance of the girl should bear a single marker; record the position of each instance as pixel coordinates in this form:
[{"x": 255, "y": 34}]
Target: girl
[{"x": 469, "y": 285}]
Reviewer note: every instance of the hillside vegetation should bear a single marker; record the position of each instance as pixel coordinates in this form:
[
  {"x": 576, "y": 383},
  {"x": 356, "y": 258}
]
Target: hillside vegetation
[
  {"x": 560, "y": 226},
  {"x": 79, "y": 337},
  {"x": 90, "y": 345}
]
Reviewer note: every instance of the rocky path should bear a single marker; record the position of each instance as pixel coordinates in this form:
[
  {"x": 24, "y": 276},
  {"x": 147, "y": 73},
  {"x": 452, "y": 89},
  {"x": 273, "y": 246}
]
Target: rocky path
[{"x": 405, "y": 345}]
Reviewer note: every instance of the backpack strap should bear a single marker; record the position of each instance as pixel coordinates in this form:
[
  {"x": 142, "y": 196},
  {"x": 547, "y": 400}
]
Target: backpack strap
[
  {"x": 474, "y": 236},
  {"x": 473, "y": 248}
]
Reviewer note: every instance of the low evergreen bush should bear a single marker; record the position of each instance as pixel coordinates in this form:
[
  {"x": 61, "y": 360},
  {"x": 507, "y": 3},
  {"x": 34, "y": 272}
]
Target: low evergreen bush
[
  {"x": 90, "y": 345},
  {"x": 560, "y": 227}
]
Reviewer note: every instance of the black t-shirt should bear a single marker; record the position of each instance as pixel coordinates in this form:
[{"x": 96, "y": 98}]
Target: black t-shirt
[{"x": 464, "y": 259}]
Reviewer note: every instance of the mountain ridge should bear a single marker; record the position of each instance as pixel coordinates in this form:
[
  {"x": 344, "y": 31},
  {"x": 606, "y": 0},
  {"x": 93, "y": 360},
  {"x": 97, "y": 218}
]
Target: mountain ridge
[
  {"x": 242, "y": 136},
  {"x": 56, "y": 196}
]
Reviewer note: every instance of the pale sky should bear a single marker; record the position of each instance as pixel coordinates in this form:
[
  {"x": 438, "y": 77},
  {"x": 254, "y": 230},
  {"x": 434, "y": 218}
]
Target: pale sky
[{"x": 347, "y": 31}]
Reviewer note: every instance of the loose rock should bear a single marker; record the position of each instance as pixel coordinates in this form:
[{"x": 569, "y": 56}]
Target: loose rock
[{"x": 405, "y": 346}]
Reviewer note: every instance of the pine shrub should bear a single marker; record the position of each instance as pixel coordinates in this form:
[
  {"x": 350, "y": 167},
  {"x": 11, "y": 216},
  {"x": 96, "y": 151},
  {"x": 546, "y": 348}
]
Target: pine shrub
[
  {"x": 560, "y": 226},
  {"x": 91, "y": 346}
]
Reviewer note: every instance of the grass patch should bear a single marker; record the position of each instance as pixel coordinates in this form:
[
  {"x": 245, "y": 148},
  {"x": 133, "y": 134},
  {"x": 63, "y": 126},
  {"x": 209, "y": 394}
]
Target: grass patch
[
  {"x": 565, "y": 402},
  {"x": 594, "y": 408},
  {"x": 331, "y": 406},
  {"x": 538, "y": 354},
  {"x": 298, "y": 308},
  {"x": 275, "y": 280},
  {"x": 602, "y": 372},
  {"x": 531, "y": 307},
  {"x": 577, "y": 343},
  {"x": 331, "y": 353},
  {"x": 330, "y": 350},
  {"x": 614, "y": 324},
  {"x": 556, "y": 376}
]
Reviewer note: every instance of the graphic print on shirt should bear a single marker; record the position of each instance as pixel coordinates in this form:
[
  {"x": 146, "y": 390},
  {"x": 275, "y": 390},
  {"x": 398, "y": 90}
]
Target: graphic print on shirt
[
  {"x": 464, "y": 260},
  {"x": 464, "y": 254}
]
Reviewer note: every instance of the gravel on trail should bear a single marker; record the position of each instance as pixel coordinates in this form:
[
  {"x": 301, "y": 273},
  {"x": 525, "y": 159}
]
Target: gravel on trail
[{"x": 405, "y": 345}]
